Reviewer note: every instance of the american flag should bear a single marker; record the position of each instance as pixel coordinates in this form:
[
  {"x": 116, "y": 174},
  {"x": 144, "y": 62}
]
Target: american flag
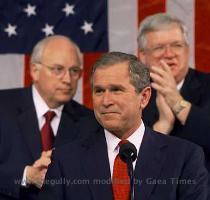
[{"x": 97, "y": 26}]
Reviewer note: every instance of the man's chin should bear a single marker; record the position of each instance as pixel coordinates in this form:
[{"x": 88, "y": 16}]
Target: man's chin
[
  {"x": 64, "y": 99},
  {"x": 111, "y": 127}
]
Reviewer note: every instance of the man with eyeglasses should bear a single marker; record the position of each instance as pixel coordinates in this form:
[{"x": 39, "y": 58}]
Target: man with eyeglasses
[
  {"x": 180, "y": 103},
  {"x": 25, "y": 153}
]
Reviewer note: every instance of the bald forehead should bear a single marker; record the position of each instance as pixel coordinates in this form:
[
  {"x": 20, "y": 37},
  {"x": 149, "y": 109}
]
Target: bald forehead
[
  {"x": 59, "y": 45},
  {"x": 57, "y": 42}
]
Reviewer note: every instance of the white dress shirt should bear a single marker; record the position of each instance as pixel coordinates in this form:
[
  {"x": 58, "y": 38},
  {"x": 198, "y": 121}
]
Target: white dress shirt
[
  {"x": 41, "y": 108},
  {"x": 113, "y": 141},
  {"x": 179, "y": 86}
]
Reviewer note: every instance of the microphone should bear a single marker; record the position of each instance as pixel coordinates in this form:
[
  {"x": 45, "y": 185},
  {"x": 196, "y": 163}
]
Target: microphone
[{"x": 128, "y": 154}]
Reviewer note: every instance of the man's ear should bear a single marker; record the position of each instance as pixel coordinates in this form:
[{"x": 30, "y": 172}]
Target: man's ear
[
  {"x": 34, "y": 71},
  {"x": 145, "y": 97},
  {"x": 142, "y": 57},
  {"x": 81, "y": 72}
]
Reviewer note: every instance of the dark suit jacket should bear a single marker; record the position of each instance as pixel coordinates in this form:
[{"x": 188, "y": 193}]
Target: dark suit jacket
[
  {"x": 80, "y": 171},
  {"x": 196, "y": 89},
  {"x": 20, "y": 141}
]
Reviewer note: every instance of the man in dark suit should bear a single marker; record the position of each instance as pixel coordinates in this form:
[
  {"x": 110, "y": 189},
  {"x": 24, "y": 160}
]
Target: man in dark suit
[
  {"x": 87, "y": 169},
  {"x": 55, "y": 70},
  {"x": 180, "y": 103}
]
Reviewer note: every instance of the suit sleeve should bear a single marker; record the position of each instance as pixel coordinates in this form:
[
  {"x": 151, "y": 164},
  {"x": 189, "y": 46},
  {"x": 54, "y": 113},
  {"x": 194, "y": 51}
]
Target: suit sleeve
[
  {"x": 197, "y": 127},
  {"x": 11, "y": 165},
  {"x": 193, "y": 182}
]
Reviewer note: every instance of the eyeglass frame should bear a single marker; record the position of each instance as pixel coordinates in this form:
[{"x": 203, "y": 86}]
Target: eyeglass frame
[
  {"x": 62, "y": 73},
  {"x": 176, "y": 47}
]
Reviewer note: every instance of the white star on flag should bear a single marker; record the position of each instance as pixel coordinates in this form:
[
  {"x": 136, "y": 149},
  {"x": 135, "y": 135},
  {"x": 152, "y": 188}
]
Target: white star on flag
[
  {"x": 48, "y": 30},
  {"x": 11, "y": 30},
  {"x": 30, "y": 10},
  {"x": 87, "y": 27},
  {"x": 69, "y": 9}
]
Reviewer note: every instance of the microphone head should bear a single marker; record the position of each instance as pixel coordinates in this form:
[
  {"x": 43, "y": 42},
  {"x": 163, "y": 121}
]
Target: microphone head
[{"x": 128, "y": 152}]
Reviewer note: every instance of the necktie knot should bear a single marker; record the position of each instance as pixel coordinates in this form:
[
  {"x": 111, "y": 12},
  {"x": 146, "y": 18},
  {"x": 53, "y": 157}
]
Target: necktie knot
[
  {"x": 122, "y": 142},
  {"x": 49, "y": 115}
]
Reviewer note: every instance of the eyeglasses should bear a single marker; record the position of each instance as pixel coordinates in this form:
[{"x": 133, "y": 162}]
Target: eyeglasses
[
  {"x": 60, "y": 71},
  {"x": 159, "y": 50}
]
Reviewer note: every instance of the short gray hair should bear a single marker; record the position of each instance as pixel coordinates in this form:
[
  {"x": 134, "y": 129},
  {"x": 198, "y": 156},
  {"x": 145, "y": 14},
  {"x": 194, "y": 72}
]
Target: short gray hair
[
  {"x": 159, "y": 22},
  {"x": 138, "y": 72},
  {"x": 38, "y": 49}
]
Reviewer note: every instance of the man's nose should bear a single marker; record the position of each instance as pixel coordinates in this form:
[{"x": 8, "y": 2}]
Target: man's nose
[
  {"x": 168, "y": 51},
  {"x": 67, "y": 77},
  {"x": 107, "y": 98}
]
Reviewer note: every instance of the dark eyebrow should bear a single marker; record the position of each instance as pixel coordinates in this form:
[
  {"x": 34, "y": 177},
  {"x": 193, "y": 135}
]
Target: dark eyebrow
[
  {"x": 95, "y": 87},
  {"x": 111, "y": 87},
  {"x": 117, "y": 86}
]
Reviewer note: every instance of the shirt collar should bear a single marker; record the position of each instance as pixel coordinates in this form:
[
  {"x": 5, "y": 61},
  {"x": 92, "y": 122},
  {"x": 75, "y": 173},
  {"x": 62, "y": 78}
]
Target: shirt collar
[
  {"x": 40, "y": 105},
  {"x": 135, "y": 139},
  {"x": 180, "y": 84}
]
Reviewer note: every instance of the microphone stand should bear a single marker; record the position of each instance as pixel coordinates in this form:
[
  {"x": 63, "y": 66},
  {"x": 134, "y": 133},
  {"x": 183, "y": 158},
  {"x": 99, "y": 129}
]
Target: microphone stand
[
  {"x": 131, "y": 175},
  {"x": 128, "y": 154}
]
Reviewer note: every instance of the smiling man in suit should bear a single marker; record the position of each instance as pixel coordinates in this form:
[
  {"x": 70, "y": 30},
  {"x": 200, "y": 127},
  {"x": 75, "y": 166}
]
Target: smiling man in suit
[
  {"x": 91, "y": 169},
  {"x": 26, "y": 138}
]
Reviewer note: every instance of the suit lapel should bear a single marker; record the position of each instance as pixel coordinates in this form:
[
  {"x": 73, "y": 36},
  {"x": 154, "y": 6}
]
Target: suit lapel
[
  {"x": 28, "y": 124},
  {"x": 67, "y": 129},
  {"x": 149, "y": 164},
  {"x": 96, "y": 167}
]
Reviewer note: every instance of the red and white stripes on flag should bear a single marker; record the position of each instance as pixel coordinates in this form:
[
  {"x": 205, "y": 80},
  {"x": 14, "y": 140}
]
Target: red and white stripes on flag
[{"x": 124, "y": 18}]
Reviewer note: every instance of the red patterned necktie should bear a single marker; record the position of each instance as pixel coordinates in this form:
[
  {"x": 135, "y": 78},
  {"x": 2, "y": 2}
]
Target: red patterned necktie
[
  {"x": 120, "y": 178},
  {"x": 47, "y": 132}
]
